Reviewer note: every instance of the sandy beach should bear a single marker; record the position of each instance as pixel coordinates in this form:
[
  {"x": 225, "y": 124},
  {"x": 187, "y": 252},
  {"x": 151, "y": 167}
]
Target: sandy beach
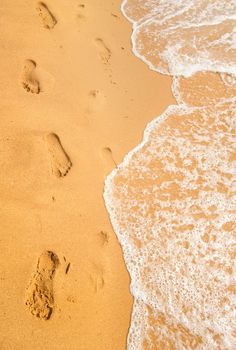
[
  {"x": 117, "y": 186},
  {"x": 74, "y": 100}
]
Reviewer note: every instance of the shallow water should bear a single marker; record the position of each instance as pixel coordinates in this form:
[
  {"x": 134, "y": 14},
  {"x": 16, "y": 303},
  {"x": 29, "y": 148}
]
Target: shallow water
[{"x": 172, "y": 200}]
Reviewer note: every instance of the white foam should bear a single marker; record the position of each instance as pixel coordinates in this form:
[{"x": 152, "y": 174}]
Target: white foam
[
  {"x": 171, "y": 200},
  {"x": 167, "y": 278},
  {"x": 171, "y": 29}
]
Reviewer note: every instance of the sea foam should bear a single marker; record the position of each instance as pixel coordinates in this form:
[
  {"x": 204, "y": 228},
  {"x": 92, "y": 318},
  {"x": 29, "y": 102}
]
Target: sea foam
[{"x": 172, "y": 201}]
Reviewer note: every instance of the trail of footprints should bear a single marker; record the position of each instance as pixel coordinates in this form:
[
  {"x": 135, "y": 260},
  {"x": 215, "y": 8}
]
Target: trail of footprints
[
  {"x": 28, "y": 76},
  {"x": 39, "y": 296}
]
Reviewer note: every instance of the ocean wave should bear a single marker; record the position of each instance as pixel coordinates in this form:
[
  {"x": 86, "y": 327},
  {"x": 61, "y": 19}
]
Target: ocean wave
[{"x": 172, "y": 200}]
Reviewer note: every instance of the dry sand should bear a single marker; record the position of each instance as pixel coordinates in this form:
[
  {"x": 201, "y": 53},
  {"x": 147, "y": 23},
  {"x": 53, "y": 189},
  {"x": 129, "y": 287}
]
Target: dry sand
[{"x": 74, "y": 100}]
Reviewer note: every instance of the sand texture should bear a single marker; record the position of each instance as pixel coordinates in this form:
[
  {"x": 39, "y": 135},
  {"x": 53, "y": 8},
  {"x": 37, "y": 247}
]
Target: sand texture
[{"x": 74, "y": 100}]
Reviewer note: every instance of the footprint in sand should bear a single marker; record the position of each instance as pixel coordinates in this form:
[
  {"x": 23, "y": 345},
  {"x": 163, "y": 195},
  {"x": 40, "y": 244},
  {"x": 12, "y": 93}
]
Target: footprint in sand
[
  {"x": 28, "y": 80},
  {"x": 107, "y": 158},
  {"x": 81, "y": 13},
  {"x": 103, "y": 51},
  {"x": 60, "y": 162},
  {"x": 97, "y": 100},
  {"x": 39, "y": 294},
  {"x": 103, "y": 237},
  {"x": 46, "y": 16},
  {"x": 96, "y": 277}
]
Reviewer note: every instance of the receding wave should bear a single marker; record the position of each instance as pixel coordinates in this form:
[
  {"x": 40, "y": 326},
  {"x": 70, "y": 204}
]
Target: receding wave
[
  {"x": 172, "y": 201},
  {"x": 183, "y": 37}
]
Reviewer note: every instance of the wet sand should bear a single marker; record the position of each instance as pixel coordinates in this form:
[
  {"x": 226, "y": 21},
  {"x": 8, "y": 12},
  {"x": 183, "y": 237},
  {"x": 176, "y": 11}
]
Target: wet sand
[
  {"x": 74, "y": 100},
  {"x": 171, "y": 201}
]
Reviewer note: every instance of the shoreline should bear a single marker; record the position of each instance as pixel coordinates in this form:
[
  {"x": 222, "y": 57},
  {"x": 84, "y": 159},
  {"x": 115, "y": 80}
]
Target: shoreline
[{"x": 171, "y": 199}]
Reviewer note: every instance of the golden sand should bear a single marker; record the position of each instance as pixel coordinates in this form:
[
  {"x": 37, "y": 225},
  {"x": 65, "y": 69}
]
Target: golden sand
[{"x": 74, "y": 100}]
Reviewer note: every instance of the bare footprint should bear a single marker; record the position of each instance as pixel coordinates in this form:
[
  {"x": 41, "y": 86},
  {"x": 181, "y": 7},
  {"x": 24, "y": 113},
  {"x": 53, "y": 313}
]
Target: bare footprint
[
  {"x": 96, "y": 101},
  {"x": 28, "y": 80},
  {"x": 81, "y": 13},
  {"x": 39, "y": 294},
  {"x": 104, "y": 237},
  {"x": 103, "y": 51},
  {"x": 60, "y": 161},
  {"x": 46, "y": 16},
  {"x": 96, "y": 277},
  {"x": 107, "y": 158}
]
